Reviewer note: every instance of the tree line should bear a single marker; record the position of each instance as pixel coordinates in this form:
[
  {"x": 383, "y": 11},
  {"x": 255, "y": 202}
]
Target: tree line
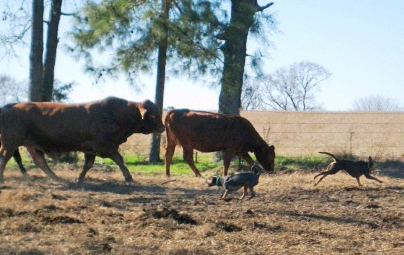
[{"x": 196, "y": 38}]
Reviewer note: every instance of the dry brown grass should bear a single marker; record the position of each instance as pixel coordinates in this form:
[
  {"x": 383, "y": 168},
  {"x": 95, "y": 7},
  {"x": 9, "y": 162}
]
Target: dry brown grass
[
  {"x": 183, "y": 216},
  {"x": 363, "y": 134}
]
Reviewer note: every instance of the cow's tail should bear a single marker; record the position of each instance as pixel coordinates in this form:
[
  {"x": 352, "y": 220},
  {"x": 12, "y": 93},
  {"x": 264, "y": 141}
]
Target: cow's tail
[
  {"x": 329, "y": 154},
  {"x": 1, "y": 111},
  {"x": 170, "y": 136},
  {"x": 170, "y": 131}
]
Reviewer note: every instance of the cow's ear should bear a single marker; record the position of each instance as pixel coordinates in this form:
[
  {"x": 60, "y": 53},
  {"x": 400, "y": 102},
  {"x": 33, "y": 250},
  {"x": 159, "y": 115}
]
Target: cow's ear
[
  {"x": 272, "y": 148},
  {"x": 144, "y": 109},
  {"x": 143, "y": 112}
]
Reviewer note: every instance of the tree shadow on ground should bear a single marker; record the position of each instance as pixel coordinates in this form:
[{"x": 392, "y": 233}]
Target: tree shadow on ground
[
  {"x": 391, "y": 168},
  {"x": 117, "y": 187},
  {"x": 348, "y": 220}
]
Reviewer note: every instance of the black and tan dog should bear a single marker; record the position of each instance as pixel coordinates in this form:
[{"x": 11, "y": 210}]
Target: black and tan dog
[
  {"x": 235, "y": 181},
  {"x": 354, "y": 168}
]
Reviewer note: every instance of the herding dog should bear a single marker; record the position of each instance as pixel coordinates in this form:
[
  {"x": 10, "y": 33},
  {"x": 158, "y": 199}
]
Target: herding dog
[
  {"x": 354, "y": 168},
  {"x": 235, "y": 181}
]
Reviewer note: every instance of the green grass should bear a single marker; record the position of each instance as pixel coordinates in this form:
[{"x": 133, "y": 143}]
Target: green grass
[
  {"x": 305, "y": 162},
  {"x": 139, "y": 163},
  {"x": 205, "y": 162}
]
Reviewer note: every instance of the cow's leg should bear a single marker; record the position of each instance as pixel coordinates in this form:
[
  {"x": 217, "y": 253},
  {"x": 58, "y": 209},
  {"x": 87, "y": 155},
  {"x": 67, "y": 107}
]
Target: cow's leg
[
  {"x": 39, "y": 159},
  {"x": 247, "y": 158},
  {"x": 188, "y": 157},
  {"x": 117, "y": 158},
  {"x": 17, "y": 158},
  {"x": 88, "y": 163},
  {"x": 5, "y": 156},
  {"x": 32, "y": 151},
  {"x": 169, "y": 156},
  {"x": 227, "y": 155}
]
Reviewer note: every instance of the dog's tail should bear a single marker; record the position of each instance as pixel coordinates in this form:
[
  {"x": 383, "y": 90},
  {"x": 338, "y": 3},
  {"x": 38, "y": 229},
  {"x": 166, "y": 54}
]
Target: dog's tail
[
  {"x": 256, "y": 169},
  {"x": 329, "y": 154}
]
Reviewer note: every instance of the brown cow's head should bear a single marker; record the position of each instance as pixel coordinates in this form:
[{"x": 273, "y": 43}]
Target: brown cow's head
[
  {"x": 151, "y": 118},
  {"x": 266, "y": 157}
]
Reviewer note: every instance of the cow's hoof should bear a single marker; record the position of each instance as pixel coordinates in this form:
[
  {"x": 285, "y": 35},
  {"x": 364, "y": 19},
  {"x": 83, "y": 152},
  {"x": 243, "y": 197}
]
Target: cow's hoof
[{"x": 129, "y": 180}]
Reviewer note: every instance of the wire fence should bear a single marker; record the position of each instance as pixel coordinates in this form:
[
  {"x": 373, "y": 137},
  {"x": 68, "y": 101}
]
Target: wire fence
[{"x": 379, "y": 134}]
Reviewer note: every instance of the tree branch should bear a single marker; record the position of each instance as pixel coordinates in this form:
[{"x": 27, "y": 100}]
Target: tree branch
[
  {"x": 68, "y": 14},
  {"x": 261, "y": 8}
]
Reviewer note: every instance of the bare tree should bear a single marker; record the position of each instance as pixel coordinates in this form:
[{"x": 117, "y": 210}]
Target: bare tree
[
  {"x": 19, "y": 24},
  {"x": 251, "y": 96},
  {"x": 21, "y": 19},
  {"x": 12, "y": 90},
  {"x": 376, "y": 103},
  {"x": 294, "y": 88}
]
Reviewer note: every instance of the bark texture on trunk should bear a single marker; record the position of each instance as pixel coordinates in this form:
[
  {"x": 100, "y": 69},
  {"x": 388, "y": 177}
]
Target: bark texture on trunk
[
  {"x": 154, "y": 155},
  {"x": 234, "y": 51},
  {"x": 51, "y": 49},
  {"x": 36, "y": 52}
]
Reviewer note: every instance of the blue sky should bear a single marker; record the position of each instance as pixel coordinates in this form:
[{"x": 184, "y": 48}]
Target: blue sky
[{"x": 360, "y": 42}]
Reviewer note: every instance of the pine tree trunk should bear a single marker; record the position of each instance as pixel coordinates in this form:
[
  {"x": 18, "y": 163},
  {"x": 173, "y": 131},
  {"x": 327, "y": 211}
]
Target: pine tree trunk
[
  {"x": 154, "y": 155},
  {"x": 36, "y": 51},
  {"x": 51, "y": 49},
  {"x": 235, "y": 50}
]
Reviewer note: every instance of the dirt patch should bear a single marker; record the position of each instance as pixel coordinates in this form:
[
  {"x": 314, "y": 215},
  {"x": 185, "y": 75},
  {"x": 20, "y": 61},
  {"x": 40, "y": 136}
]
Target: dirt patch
[
  {"x": 165, "y": 212},
  {"x": 105, "y": 215},
  {"x": 228, "y": 227},
  {"x": 60, "y": 219}
]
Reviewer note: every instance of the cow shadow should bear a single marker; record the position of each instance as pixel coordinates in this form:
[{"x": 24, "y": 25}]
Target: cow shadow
[
  {"x": 110, "y": 186},
  {"x": 120, "y": 187}
]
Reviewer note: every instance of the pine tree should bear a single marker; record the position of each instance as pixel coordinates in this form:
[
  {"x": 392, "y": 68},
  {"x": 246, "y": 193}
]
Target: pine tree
[{"x": 141, "y": 33}]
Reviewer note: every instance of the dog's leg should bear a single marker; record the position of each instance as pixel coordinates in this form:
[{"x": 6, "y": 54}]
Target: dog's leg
[
  {"x": 331, "y": 169},
  {"x": 372, "y": 178},
  {"x": 244, "y": 191},
  {"x": 324, "y": 175},
  {"x": 225, "y": 194},
  {"x": 252, "y": 192},
  {"x": 357, "y": 179},
  {"x": 325, "y": 171}
]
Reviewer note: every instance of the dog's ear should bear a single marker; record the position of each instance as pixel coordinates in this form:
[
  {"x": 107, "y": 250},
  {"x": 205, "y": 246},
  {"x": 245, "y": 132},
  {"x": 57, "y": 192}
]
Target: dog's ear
[
  {"x": 212, "y": 181},
  {"x": 370, "y": 163}
]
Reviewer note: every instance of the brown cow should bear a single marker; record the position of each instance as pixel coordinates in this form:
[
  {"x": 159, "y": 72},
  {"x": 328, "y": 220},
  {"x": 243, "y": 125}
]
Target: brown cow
[
  {"x": 95, "y": 128},
  {"x": 209, "y": 132}
]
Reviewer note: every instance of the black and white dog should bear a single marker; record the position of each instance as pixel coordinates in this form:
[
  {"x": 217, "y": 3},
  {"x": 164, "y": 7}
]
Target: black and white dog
[{"x": 235, "y": 181}]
